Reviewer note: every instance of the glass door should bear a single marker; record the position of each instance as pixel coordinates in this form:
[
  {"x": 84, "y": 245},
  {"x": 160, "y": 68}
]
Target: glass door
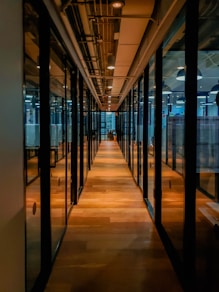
[{"x": 59, "y": 140}]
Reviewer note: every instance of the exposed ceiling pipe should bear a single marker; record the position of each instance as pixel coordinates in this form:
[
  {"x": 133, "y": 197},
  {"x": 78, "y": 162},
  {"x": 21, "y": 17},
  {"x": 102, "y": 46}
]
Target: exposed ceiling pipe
[
  {"x": 92, "y": 49},
  {"x": 121, "y": 17},
  {"x": 72, "y": 45}
]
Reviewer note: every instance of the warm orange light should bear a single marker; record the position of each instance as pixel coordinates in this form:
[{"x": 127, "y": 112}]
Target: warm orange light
[{"x": 117, "y": 4}]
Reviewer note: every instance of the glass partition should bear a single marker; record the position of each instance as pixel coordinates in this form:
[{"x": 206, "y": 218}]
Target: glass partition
[
  {"x": 132, "y": 130},
  {"x": 85, "y": 133},
  {"x": 140, "y": 130},
  {"x": 126, "y": 128},
  {"x": 150, "y": 129},
  {"x": 79, "y": 121},
  {"x": 207, "y": 155},
  {"x": 135, "y": 133},
  {"x": 94, "y": 128},
  {"x": 68, "y": 125},
  {"x": 59, "y": 182},
  {"x": 173, "y": 134},
  {"x": 207, "y": 195},
  {"x": 32, "y": 130},
  {"x": 175, "y": 145},
  {"x": 31, "y": 145},
  {"x": 123, "y": 129}
]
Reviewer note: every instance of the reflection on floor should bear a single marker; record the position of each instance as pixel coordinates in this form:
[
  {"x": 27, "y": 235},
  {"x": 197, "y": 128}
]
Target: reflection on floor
[
  {"x": 207, "y": 225},
  {"x": 111, "y": 243}
]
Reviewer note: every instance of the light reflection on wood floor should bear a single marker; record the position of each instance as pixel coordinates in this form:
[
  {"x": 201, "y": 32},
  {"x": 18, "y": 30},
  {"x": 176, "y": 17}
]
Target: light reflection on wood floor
[{"x": 111, "y": 243}]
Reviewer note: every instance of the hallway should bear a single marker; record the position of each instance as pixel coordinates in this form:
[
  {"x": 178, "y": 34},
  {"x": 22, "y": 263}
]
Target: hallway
[{"x": 111, "y": 243}]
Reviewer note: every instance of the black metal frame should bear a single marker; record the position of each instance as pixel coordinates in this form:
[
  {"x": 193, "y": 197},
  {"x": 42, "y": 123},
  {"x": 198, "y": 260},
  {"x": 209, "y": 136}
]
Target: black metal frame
[
  {"x": 81, "y": 90},
  {"x": 189, "y": 238},
  {"x": 74, "y": 144}
]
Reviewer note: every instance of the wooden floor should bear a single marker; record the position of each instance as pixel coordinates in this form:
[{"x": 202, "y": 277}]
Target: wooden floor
[{"x": 111, "y": 243}]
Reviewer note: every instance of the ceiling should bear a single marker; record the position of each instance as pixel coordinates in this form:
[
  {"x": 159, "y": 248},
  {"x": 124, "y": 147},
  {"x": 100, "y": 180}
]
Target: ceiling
[
  {"x": 93, "y": 31},
  {"x": 100, "y": 31},
  {"x": 208, "y": 50}
]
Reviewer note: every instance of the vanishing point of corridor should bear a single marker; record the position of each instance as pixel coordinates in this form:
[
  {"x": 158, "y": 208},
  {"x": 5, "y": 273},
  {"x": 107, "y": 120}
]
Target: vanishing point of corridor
[{"x": 111, "y": 243}]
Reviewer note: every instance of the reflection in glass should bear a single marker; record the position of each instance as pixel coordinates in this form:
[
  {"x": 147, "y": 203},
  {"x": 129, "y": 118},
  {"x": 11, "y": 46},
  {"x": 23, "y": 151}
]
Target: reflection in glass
[
  {"x": 126, "y": 128},
  {"x": 68, "y": 104},
  {"x": 173, "y": 135},
  {"x": 31, "y": 145},
  {"x": 140, "y": 131},
  {"x": 135, "y": 134},
  {"x": 85, "y": 133},
  {"x": 59, "y": 86},
  {"x": 150, "y": 129},
  {"x": 207, "y": 159}
]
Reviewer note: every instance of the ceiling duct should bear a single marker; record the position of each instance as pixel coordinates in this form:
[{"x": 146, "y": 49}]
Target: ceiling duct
[{"x": 92, "y": 46}]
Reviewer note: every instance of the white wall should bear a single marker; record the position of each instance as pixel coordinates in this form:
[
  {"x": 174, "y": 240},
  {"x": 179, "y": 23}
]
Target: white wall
[{"x": 12, "y": 253}]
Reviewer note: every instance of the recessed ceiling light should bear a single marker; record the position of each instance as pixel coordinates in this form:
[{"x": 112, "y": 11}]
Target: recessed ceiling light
[{"x": 117, "y": 3}]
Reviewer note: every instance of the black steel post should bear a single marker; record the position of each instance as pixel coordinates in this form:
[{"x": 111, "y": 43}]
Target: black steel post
[
  {"x": 81, "y": 100},
  {"x": 189, "y": 237}
]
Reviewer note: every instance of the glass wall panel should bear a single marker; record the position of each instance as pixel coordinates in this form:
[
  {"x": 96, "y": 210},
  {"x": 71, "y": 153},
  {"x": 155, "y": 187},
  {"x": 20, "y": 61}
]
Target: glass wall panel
[
  {"x": 207, "y": 207},
  {"x": 68, "y": 106},
  {"x": 150, "y": 129},
  {"x": 132, "y": 131},
  {"x": 92, "y": 127},
  {"x": 103, "y": 127},
  {"x": 58, "y": 139},
  {"x": 140, "y": 130},
  {"x": 85, "y": 134},
  {"x": 175, "y": 137},
  {"x": 135, "y": 133},
  {"x": 207, "y": 157},
  {"x": 32, "y": 144},
  {"x": 126, "y": 126},
  {"x": 108, "y": 125},
  {"x": 96, "y": 127},
  {"x": 173, "y": 133},
  {"x": 80, "y": 95},
  {"x": 122, "y": 133},
  {"x": 125, "y": 130}
]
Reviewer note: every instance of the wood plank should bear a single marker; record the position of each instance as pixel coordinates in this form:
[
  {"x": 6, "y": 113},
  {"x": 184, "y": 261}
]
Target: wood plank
[{"x": 111, "y": 244}]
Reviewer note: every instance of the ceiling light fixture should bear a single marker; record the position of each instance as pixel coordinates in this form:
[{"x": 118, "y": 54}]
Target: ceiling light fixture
[
  {"x": 180, "y": 67},
  {"x": 180, "y": 100},
  {"x": 215, "y": 89},
  {"x": 181, "y": 75},
  {"x": 38, "y": 62},
  {"x": 111, "y": 62},
  {"x": 206, "y": 103},
  {"x": 110, "y": 84},
  {"x": 166, "y": 89},
  {"x": 117, "y": 3}
]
